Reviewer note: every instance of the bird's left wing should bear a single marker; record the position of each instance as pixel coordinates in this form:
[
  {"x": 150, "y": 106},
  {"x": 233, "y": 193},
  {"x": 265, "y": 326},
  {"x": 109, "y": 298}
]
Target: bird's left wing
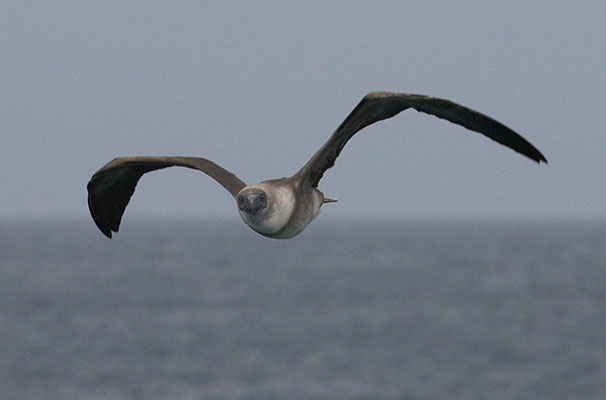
[
  {"x": 111, "y": 187},
  {"x": 377, "y": 106}
]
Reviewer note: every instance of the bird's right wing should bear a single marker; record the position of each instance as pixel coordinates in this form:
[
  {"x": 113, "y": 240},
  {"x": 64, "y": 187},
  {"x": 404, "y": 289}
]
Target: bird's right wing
[{"x": 111, "y": 187}]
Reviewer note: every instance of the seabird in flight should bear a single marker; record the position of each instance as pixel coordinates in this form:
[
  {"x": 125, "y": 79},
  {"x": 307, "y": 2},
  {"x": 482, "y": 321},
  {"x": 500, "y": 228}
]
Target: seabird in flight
[{"x": 282, "y": 208}]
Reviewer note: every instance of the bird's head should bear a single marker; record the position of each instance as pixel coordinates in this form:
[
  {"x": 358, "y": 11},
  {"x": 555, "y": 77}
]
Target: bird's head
[{"x": 252, "y": 202}]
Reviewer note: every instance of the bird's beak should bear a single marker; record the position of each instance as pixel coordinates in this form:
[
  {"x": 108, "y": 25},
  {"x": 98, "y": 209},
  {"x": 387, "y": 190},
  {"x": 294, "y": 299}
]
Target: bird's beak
[{"x": 329, "y": 200}]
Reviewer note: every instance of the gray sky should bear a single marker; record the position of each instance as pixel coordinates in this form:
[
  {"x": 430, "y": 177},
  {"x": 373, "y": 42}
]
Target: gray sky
[{"x": 259, "y": 86}]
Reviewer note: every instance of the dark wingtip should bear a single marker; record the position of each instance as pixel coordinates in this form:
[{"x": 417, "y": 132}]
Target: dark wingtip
[
  {"x": 538, "y": 157},
  {"x": 543, "y": 159},
  {"x": 104, "y": 228}
]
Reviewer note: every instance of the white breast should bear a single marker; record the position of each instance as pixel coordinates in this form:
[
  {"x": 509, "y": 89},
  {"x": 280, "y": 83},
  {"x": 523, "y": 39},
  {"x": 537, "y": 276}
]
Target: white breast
[{"x": 281, "y": 204}]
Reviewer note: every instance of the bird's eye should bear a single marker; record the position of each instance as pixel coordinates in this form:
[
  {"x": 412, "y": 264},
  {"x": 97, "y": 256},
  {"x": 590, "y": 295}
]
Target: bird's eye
[{"x": 263, "y": 197}]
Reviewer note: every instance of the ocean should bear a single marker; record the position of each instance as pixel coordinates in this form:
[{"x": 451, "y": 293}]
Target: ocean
[{"x": 360, "y": 309}]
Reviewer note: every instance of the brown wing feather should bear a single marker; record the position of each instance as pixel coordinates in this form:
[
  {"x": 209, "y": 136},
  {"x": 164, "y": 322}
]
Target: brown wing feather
[
  {"x": 111, "y": 187},
  {"x": 377, "y": 106}
]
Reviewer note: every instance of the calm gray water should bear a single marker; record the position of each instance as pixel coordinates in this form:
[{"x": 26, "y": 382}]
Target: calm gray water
[{"x": 356, "y": 310}]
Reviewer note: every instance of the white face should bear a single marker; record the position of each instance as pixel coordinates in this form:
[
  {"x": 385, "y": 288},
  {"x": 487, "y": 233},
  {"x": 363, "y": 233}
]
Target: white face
[{"x": 280, "y": 204}]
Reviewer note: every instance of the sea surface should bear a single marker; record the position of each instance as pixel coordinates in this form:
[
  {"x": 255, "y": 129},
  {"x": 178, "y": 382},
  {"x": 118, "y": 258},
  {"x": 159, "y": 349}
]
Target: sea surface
[{"x": 348, "y": 310}]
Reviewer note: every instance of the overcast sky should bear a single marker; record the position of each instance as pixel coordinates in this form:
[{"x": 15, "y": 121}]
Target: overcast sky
[{"x": 259, "y": 86}]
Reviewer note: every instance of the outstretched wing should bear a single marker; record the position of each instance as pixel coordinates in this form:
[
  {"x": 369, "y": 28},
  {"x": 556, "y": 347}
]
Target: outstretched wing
[
  {"x": 377, "y": 106},
  {"x": 111, "y": 187}
]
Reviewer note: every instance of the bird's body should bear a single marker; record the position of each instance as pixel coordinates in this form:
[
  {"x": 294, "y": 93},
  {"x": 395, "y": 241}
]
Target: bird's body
[
  {"x": 290, "y": 208},
  {"x": 282, "y": 208}
]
